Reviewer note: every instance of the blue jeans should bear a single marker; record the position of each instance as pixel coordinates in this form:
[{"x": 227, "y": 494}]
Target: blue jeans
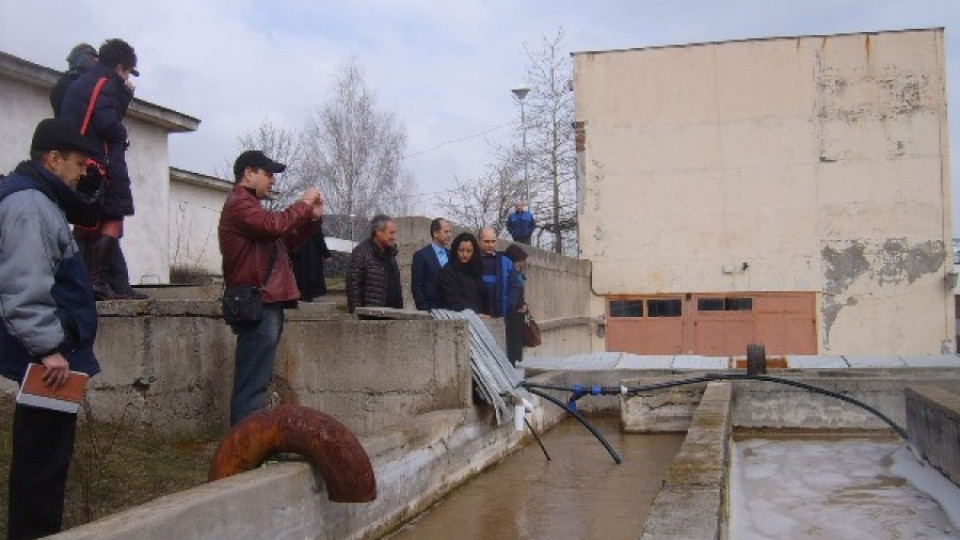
[{"x": 253, "y": 367}]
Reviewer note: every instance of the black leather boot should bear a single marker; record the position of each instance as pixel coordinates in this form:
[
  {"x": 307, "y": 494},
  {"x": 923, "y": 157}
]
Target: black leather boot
[
  {"x": 101, "y": 256},
  {"x": 120, "y": 277}
]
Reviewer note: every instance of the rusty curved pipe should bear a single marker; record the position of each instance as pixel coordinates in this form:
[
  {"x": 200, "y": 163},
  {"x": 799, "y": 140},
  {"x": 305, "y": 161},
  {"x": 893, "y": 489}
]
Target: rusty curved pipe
[{"x": 326, "y": 443}]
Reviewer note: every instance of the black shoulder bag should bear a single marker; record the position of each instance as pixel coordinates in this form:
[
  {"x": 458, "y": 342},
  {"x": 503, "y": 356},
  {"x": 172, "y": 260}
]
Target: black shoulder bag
[{"x": 242, "y": 304}]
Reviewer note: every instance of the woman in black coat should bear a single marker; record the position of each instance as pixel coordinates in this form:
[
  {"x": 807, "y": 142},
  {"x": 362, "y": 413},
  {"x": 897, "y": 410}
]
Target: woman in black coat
[
  {"x": 308, "y": 259},
  {"x": 459, "y": 286}
]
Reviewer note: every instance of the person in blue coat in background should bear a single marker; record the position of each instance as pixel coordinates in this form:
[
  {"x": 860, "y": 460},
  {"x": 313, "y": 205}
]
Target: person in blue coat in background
[{"x": 520, "y": 224}]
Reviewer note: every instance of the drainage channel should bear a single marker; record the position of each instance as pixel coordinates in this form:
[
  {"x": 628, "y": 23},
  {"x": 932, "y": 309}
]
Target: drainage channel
[{"x": 579, "y": 494}]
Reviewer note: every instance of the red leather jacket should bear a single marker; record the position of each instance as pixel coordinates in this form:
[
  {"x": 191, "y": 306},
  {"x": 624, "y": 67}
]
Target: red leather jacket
[{"x": 247, "y": 233}]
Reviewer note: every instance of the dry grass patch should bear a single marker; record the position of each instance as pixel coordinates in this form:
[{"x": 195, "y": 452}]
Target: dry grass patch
[{"x": 116, "y": 466}]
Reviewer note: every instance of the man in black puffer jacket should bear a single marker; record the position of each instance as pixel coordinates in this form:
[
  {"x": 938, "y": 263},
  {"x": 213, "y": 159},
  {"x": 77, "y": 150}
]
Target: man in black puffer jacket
[
  {"x": 95, "y": 104},
  {"x": 373, "y": 276}
]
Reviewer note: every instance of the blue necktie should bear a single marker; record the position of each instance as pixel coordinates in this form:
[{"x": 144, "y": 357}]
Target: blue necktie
[{"x": 442, "y": 257}]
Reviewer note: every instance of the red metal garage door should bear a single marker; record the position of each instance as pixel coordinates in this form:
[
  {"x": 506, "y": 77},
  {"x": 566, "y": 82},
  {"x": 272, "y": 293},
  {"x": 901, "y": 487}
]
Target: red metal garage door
[{"x": 712, "y": 324}]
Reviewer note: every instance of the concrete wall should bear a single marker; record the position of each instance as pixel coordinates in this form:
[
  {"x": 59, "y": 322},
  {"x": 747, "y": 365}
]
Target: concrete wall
[
  {"x": 415, "y": 465},
  {"x": 169, "y": 365},
  {"x": 821, "y": 161},
  {"x": 691, "y": 503},
  {"x": 770, "y": 405},
  {"x": 565, "y": 336},
  {"x": 375, "y": 374},
  {"x": 557, "y": 286},
  {"x": 933, "y": 421},
  {"x": 24, "y": 101},
  {"x": 194, "y": 213}
]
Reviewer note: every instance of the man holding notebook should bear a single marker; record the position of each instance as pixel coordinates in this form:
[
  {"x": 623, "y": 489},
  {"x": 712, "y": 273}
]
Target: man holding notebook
[{"x": 49, "y": 318}]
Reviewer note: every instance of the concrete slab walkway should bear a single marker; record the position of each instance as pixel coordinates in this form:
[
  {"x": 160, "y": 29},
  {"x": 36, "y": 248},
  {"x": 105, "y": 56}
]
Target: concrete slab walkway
[{"x": 625, "y": 361}]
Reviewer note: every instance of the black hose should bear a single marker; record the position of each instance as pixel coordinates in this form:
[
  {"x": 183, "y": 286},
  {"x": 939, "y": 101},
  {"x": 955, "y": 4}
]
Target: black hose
[
  {"x": 537, "y": 437},
  {"x": 576, "y": 414},
  {"x": 900, "y": 431},
  {"x": 578, "y": 392}
]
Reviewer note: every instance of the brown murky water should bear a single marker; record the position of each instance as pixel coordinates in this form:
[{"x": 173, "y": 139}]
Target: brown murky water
[{"x": 580, "y": 494}]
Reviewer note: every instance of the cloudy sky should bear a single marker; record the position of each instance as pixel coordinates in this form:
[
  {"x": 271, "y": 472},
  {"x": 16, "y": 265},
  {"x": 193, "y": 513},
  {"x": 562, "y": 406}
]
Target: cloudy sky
[{"x": 444, "y": 68}]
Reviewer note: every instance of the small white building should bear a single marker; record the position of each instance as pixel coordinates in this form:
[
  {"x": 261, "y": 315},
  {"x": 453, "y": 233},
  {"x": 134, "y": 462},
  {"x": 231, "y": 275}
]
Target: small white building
[
  {"x": 195, "y": 204},
  {"x": 787, "y": 191},
  {"x": 148, "y": 241}
]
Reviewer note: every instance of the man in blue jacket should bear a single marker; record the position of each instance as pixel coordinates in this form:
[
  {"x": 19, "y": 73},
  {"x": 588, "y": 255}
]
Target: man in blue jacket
[
  {"x": 495, "y": 274},
  {"x": 49, "y": 318},
  {"x": 520, "y": 224},
  {"x": 427, "y": 262}
]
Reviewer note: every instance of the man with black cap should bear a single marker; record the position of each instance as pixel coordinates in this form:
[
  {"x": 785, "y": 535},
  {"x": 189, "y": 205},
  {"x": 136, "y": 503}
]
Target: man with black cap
[
  {"x": 49, "y": 318},
  {"x": 95, "y": 104},
  {"x": 255, "y": 243}
]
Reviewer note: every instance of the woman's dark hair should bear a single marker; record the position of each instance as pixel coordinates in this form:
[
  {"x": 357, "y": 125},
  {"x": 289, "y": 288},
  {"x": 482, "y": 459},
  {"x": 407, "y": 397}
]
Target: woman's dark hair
[
  {"x": 472, "y": 267},
  {"x": 117, "y": 52},
  {"x": 515, "y": 253}
]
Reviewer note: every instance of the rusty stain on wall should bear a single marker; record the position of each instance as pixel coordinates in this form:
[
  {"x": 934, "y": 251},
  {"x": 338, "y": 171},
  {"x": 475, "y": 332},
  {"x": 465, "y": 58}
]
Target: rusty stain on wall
[{"x": 580, "y": 135}]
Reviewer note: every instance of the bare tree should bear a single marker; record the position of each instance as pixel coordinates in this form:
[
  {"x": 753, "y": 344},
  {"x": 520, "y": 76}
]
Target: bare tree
[
  {"x": 550, "y": 159},
  {"x": 551, "y": 152},
  {"x": 282, "y": 145},
  {"x": 356, "y": 151},
  {"x": 485, "y": 201}
]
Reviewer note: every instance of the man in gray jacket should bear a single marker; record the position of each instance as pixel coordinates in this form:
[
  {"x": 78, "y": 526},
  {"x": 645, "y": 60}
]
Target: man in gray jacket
[{"x": 49, "y": 318}]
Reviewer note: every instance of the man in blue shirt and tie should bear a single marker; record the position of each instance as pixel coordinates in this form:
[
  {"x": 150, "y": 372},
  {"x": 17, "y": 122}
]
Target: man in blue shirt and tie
[{"x": 427, "y": 262}]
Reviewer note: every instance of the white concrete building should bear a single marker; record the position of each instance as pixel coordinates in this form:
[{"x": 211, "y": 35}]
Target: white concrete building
[
  {"x": 787, "y": 191},
  {"x": 194, "y": 213},
  {"x": 24, "y": 101}
]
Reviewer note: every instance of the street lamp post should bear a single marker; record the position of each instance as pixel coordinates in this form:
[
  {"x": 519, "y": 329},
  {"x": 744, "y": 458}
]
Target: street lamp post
[
  {"x": 521, "y": 92},
  {"x": 352, "y": 241}
]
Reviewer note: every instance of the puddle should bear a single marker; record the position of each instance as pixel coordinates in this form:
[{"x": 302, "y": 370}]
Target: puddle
[
  {"x": 836, "y": 488},
  {"x": 580, "y": 494}
]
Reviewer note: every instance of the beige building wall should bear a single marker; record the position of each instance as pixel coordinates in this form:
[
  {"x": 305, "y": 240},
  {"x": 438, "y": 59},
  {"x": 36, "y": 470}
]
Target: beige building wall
[{"x": 812, "y": 164}]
